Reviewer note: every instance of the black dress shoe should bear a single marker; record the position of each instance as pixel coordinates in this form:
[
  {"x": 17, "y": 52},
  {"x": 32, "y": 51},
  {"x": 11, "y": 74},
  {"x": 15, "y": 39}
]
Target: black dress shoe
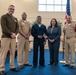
[
  {"x": 2, "y": 73},
  {"x": 66, "y": 65},
  {"x": 42, "y": 65},
  {"x": 51, "y": 63},
  {"x": 72, "y": 67},
  {"x": 56, "y": 63},
  {"x": 14, "y": 69},
  {"x": 34, "y": 66},
  {"x": 27, "y": 65}
]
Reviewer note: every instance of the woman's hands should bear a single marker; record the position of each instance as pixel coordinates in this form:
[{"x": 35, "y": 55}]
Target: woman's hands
[{"x": 51, "y": 40}]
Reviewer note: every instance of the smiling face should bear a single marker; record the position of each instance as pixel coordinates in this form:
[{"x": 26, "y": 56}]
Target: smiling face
[
  {"x": 24, "y": 16},
  {"x": 11, "y": 9},
  {"x": 39, "y": 19},
  {"x": 53, "y": 22},
  {"x": 68, "y": 19}
]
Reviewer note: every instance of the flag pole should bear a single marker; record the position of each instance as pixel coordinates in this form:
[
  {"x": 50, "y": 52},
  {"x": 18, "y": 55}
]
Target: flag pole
[{"x": 63, "y": 42}]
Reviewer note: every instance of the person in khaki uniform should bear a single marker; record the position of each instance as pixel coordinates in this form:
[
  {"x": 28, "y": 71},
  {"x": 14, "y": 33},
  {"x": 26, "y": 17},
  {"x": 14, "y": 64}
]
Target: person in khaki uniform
[
  {"x": 10, "y": 27},
  {"x": 23, "y": 40},
  {"x": 69, "y": 31}
]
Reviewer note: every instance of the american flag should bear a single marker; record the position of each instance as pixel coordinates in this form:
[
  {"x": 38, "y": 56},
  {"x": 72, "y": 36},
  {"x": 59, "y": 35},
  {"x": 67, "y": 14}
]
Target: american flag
[{"x": 68, "y": 13}]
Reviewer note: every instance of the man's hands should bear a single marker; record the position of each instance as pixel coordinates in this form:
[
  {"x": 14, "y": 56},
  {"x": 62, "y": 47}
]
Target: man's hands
[
  {"x": 13, "y": 35},
  {"x": 45, "y": 36},
  {"x": 26, "y": 36},
  {"x": 51, "y": 40},
  {"x": 40, "y": 37}
]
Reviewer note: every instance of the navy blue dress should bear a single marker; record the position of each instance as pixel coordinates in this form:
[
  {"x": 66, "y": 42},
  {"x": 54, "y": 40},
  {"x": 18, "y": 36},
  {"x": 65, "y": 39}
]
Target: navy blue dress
[{"x": 54, "y": 47}]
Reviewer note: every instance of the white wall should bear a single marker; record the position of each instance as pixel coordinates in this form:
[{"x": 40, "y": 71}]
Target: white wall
[{"x": 31, "y": 8}]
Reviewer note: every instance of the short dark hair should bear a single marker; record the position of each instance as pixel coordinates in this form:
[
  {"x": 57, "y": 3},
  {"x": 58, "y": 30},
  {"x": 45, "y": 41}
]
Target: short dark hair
[
  {"x": 55, "y": 21},
  {"x": 38, "y": 16},
  {"x": 24, "y": 13},
  {"x": 11, "y": 5}
]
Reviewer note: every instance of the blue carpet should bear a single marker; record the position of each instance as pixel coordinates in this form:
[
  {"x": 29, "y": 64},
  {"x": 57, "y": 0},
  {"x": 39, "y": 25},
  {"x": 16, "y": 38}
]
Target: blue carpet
[{"x": 47, "y": 70}]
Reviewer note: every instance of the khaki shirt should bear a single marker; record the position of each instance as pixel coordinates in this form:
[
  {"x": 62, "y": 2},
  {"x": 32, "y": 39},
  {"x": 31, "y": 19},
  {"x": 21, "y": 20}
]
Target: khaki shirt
[
  {"x": 69, "y": 30},
  {"x": 24, "y": 26}
]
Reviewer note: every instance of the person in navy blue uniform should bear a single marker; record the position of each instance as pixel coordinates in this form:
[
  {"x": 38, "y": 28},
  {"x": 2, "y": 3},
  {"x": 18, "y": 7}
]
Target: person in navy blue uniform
[
  {"x": 38, "y": 31},
  {"x": 54, "y": 33}
]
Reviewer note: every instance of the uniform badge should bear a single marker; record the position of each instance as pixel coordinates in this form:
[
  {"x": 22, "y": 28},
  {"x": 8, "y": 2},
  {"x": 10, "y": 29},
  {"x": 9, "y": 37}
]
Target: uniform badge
[{"x": 15, "y": 20}]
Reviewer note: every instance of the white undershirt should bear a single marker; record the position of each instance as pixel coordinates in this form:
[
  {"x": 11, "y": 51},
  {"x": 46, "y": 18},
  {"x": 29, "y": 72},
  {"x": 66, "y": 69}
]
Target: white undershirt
[
  {"x": 39, "y": 25},
  {"x": 24, "y": 20}
]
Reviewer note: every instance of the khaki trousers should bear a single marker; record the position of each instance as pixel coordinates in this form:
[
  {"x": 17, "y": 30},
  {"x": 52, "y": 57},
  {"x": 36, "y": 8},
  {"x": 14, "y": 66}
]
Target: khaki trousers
[
  {"x": 6, "y": 44},
  {"x": 23, "y": 49},
  {"x": 70, "y": 51}
]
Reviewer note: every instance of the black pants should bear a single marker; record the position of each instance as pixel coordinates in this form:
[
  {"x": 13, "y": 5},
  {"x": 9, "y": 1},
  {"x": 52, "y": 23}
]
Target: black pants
[
  {"x": 40, "y": 44},
  {"x": 54, "y": 51}
]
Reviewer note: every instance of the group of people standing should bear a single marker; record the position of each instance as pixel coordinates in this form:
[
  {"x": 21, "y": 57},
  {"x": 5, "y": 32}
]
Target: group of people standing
[
  {"x": 11, "y": 27},
  {"x": 40, "y": 34}
]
